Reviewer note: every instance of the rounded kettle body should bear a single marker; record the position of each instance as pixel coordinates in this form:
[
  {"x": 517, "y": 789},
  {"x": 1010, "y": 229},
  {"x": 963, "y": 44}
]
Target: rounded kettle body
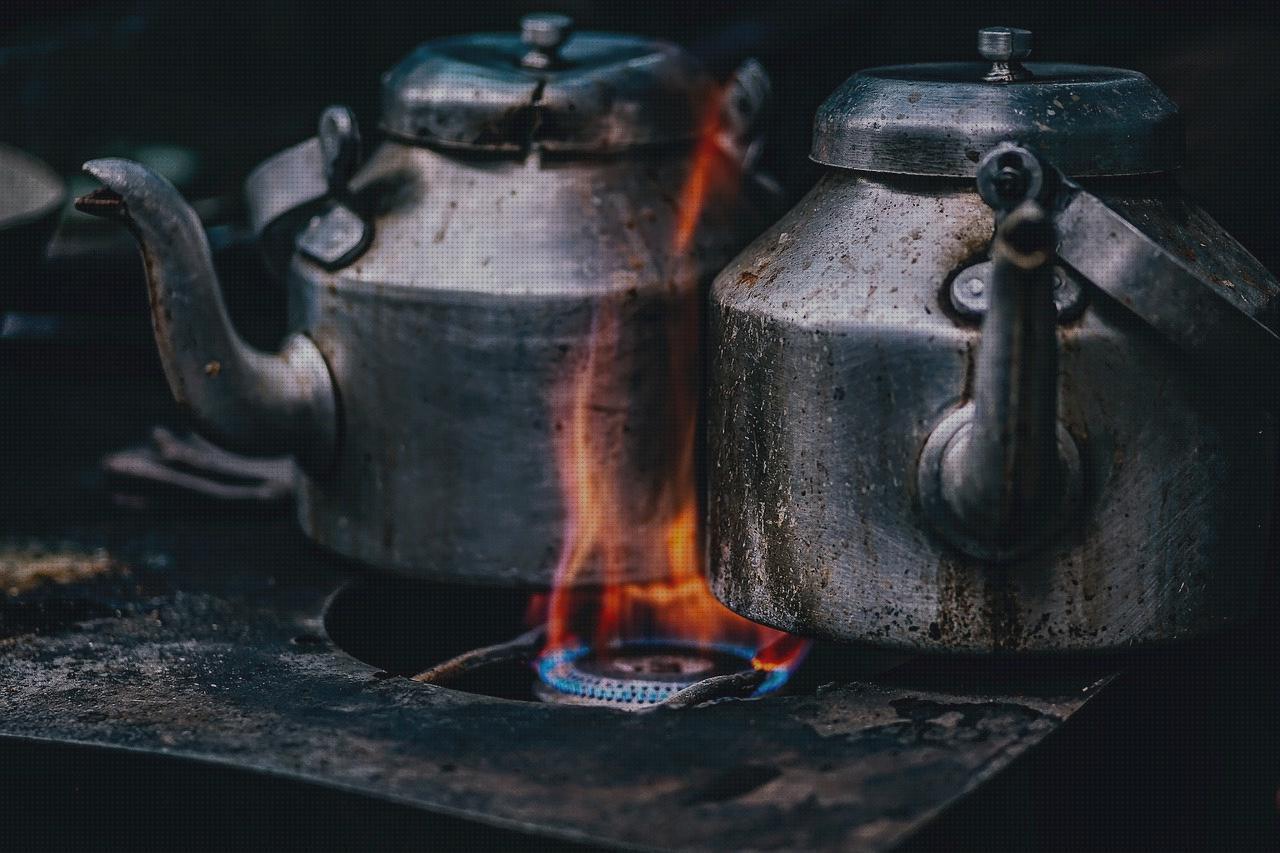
[{"x": 452, "y": 338}]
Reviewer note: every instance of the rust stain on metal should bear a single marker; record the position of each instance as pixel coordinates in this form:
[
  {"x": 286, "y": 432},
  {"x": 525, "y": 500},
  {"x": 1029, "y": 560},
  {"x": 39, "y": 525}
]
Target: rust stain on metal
[
  {"x": 100, "y": 202},
  {"x": 162, "y": 322},
  {"x": 954, "y": 620}
]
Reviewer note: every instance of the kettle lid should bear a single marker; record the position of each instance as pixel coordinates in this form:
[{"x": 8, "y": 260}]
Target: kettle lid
[
  {"x": 548, "y": 87},
  {"x": 941, "y": 118}
]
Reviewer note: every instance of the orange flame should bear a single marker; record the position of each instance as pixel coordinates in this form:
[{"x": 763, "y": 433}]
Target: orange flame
[{"x": 610, "y": 527}]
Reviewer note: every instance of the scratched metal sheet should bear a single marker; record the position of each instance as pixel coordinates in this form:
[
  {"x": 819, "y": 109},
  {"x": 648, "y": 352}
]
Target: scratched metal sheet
[
  {"x": 215, "y": 672},
  {"x": 196, "y": 632}
]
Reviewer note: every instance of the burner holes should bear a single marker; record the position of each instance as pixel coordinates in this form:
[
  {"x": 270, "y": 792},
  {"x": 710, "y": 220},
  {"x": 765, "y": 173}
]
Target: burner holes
[{"x": 663, "y": 665}]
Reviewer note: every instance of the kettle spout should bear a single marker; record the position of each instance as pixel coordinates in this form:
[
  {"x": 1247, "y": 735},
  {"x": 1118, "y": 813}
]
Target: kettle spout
[
  {"x": 252, "y": 401},
  {"x": 997, "y": 474}
]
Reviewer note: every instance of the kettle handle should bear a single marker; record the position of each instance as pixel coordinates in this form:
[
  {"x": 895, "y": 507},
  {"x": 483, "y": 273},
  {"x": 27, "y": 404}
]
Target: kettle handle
[
  {"x": 284, "y": 183},
  {"x": 283, "y": 191},
  {"x": 995, "y": 475},
  {"x": 746, "y": 95},
  {"x": 1161, "y": 288}
]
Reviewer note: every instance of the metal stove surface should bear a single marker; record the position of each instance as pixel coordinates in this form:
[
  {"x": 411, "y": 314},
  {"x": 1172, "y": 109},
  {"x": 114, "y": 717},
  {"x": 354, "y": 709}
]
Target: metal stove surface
[{"x": 200, "y": 638}]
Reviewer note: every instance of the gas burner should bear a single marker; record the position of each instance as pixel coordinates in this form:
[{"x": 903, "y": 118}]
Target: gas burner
[
  {"x": 640, "y": 675},
  {"x": 465, "y": 639}
]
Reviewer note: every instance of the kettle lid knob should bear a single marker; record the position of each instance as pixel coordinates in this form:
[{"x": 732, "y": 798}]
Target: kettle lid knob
[
  {"x": 1005, "y": 48},
  {"x": 544, "y": 33},
  {"x": 1004, "y": 44}
]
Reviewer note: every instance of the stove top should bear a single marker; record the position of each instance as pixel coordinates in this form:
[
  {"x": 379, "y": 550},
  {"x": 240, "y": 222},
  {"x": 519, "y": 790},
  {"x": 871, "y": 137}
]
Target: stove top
[
  {"x": 216, "y": 636},
  {"x": 251, "y": 679},
  {"x": 194, "y": 651},
  {"x": 199, "y": 653}
]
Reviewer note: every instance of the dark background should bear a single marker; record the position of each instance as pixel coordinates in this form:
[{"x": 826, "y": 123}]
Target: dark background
[
  {"x": 236, "y": 81},
  {"x": 227, "y": 84}
]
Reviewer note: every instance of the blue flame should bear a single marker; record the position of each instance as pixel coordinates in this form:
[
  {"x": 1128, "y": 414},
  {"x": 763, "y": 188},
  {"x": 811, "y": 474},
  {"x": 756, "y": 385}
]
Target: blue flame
[{"x": 557, "y": 670}]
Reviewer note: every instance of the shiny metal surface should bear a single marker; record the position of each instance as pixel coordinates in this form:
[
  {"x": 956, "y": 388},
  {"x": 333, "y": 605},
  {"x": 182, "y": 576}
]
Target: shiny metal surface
[
  {"x": 447, "y": 346},
  {"x": 339, "y": 136},
  {"x": 970, "y": 292},
  {"x": 997, "y": 478},
  {"x": 285, "y": 193},
  {"x": 1004, "y": 44},
  {"x": 834, "y": 357},
  {"x": 1212, "y": 299},
  {"x": 1202, "y": 312},
  {"x": 450, "y": 294},
  {"x": 880, "y": 468},
  {"x": 941, "y": 118},
  {"x": 338, "y": 236},
  {"x": 335, "y": 238},
  {"x": 269, "y": 403},
  {"x": 584, "y": 92},
  {"x": 285, "y": 182},
  {"x": 1005, "y": 48},
  {"x": 544, "y": 34}
]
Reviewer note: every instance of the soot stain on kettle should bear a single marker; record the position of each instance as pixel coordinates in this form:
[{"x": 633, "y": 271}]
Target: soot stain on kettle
[
  {"x": 785, "y": 575},
  {"x": 955, "y": 618},
  {"x": 1001, "y": 609},
  {"x": 754, "y": 532},
  {"x": 978, "y": 607}
]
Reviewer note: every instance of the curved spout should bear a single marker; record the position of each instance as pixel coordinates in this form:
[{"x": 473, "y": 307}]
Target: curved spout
[
  {"x": 997, "y": 473},
  {"x": 997, "y": 477},
  {"x": 250, "y": 400}
]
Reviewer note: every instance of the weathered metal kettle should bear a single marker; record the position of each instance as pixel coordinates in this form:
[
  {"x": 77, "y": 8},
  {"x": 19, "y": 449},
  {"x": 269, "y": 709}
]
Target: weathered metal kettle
[
  {"x": 1059, "y": 438},
  {"x": 439, "y": 288}
]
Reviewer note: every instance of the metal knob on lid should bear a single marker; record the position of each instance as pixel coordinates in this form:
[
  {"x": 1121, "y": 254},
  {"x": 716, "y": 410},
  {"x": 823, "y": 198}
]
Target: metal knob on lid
[
  {"x": 544, "y": 33},
  {"x": 1005, "y": 48},
  {"x": 1004, "y": 44}
]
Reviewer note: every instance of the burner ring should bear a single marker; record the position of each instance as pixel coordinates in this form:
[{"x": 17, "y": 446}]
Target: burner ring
[{"x": 636, "y": 675}]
